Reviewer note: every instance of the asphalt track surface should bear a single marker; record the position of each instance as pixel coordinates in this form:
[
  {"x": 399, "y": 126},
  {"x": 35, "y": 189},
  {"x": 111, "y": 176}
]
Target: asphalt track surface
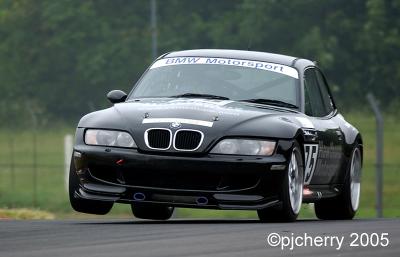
[{"x": 176, "y": 238}]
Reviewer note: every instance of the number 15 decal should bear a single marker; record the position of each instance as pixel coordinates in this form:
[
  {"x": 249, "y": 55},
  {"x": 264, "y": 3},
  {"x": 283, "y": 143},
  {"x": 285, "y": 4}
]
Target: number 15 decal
[{"x": 311, "y": 155}]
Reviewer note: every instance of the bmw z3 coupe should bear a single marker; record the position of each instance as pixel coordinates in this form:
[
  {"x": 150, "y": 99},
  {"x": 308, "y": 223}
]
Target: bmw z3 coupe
[{"x": 220, "y": 129}]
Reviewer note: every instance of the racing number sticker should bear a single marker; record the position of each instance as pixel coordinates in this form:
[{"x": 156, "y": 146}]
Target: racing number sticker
[{"x": 311, "y": 154}]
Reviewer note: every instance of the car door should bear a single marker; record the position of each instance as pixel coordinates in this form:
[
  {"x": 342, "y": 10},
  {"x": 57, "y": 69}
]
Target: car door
[{"x": 321, "y": 111}]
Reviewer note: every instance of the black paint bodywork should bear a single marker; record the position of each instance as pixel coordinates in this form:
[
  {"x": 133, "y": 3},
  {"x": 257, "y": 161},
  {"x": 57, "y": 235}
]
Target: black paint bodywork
[{"x": 177, "y": 178}]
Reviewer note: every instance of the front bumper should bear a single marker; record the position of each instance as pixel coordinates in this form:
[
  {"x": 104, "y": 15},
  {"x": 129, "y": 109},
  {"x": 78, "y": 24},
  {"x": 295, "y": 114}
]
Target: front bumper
[{"x": 206, "y": 181}]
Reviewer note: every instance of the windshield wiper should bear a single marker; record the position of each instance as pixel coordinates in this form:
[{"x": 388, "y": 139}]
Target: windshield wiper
[
  {"x": 208, "y": 96},
  {"x": 270, "y": 102}
]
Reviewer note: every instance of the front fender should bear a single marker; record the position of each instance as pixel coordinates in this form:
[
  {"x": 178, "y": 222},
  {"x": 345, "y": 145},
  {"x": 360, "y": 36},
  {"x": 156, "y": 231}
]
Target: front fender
[
  {"x": 275, "y": 126},
  {"x": 108, "y": 118}
]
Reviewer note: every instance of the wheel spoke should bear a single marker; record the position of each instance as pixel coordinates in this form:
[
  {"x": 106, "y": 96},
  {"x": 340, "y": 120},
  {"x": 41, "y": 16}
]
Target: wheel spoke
[
  {"x": 355, "y": 177},
  {"x": 295, "y": 184}
]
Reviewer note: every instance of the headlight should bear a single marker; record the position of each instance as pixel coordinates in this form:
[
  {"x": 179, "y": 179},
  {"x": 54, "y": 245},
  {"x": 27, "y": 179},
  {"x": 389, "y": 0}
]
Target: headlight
[
  {"x": 245, "y": 147},
  {"x": 109, "y": 138}
]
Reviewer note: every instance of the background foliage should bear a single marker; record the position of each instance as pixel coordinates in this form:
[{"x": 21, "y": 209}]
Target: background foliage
[{"x": 59, "y": 58}]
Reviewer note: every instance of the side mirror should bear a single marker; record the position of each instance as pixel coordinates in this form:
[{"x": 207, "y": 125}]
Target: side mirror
[{"x": 116, "y": 96}]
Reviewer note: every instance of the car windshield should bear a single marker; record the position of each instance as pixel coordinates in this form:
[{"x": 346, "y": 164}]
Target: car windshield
[{"x": 219, "y": 78}]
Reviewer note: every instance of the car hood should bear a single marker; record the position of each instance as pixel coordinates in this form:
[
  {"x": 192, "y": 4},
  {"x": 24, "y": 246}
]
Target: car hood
[{"x": 215, "y": 118}]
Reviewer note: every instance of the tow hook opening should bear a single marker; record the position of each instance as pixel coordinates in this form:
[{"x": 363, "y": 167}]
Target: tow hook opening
[
  {"x": 139, "y": 196},
  {"x": 202, "y": 200}
]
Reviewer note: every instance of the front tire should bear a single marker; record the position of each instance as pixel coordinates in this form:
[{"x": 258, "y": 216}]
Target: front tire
[
  {"x": 151, "y": 211},
  {"x": 344, "y": 206},
  {"x": 291, "y": 194},
  {"x": 84, "y": 205}
]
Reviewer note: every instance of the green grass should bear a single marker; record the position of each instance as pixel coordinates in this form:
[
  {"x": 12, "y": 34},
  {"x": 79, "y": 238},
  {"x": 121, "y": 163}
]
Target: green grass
[
  {"x": 25, "y": 214},
  {"x": 391, "y": 169},
  {"x": 51, "y": 194}
]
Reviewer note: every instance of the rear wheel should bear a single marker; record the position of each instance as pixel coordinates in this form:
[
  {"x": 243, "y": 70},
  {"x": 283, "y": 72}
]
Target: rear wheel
[
  {"x": 152, "y": 211},
  {"x": 83, "y": 205},
  {"x": 291, "y": 194},
  {"x": 344, "y": 206}
]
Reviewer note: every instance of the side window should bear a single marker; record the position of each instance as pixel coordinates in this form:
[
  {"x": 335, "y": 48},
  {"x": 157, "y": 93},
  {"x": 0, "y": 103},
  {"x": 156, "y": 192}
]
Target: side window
[
  {"x": 314, "y": 104},
  {"x": 307, "y": 101},
  {"x": 325, "y": 92}
]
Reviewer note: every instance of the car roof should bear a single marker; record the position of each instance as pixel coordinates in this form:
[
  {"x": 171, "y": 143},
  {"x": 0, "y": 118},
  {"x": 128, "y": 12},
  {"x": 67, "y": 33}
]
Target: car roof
[{"x": 236, "y": 54}]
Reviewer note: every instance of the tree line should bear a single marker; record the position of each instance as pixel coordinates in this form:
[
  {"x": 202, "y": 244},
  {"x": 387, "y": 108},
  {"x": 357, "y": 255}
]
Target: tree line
[{"x": 58, "y": 59}]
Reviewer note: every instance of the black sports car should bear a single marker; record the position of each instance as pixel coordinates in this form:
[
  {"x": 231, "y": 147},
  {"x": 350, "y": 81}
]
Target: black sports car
[{"x": 220, "y": 129}]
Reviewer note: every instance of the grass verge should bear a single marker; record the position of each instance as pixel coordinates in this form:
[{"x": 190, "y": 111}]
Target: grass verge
[{"x": 25, "y": 214}]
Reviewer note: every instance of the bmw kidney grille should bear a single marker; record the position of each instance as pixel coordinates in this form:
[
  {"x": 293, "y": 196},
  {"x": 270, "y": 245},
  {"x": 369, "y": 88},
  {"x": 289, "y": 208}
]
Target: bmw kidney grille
[
  {"x": 158, "y": 138},
  {"x": 181, "y": 140}
]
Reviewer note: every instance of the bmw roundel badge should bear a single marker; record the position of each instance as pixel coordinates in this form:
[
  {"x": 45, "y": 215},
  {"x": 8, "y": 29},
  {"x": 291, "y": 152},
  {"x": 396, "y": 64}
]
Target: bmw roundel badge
[{"x": 175, "y": 125}]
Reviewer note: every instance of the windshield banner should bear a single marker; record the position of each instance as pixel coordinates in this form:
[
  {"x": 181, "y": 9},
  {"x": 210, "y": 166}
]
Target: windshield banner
[{"x": 283, "y": 69}]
